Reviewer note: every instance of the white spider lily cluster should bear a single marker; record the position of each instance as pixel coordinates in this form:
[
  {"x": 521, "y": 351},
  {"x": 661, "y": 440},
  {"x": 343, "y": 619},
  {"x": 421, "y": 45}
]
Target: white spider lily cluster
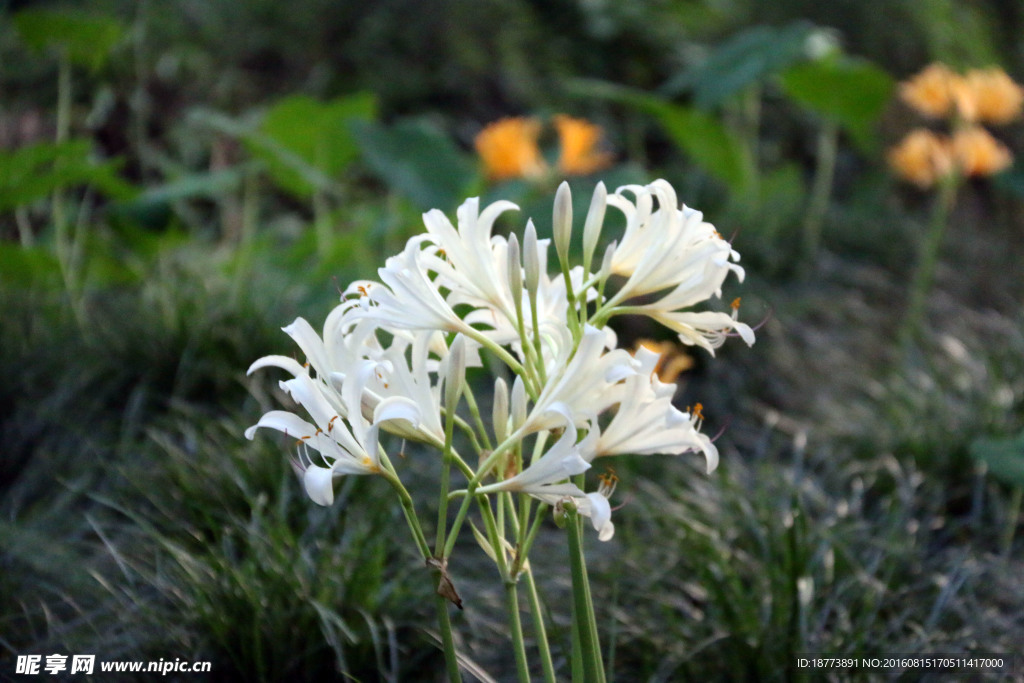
[{"x": 568, "y": 396}]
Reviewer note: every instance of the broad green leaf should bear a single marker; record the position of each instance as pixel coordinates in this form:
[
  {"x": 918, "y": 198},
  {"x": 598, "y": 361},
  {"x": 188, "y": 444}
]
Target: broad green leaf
[
  {"x": 85, "y": 38},
  {"x": 708, "y": 142},
  {"x": 31, "y": 173},
  {"x": 1004, "y": 457},
  {"x": 312, "y": 132},
  {"x": 849, "y": 92},
  {"x": 417, "y": 161},
  {"x": 746, "y": 58}
]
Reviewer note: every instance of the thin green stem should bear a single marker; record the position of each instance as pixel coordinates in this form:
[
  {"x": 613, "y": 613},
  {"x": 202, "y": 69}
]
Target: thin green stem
[
  {"x": 1011, "y": 524},
  {"x": 451, "y": 660},
  {"x": 446, "y": 472},
  {"x": 474, "y": 410},
  {"x": 583, "y": 606},
  {"x": 543, "y": 647},
  {"x": 821, "y": 190},
  {"x": 927, "y": 260},
  {"x": 516, "y": 627}
]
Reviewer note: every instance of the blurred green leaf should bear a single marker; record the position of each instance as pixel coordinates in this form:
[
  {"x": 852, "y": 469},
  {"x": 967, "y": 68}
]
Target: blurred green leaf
[
  {"x": 849, "y": 92},
  {"x": 744, "y": 59},
  {"x": 24, "y": 267},
  {"x": 1004, "y": 458},
  {"x": 418, "y": 161},
  {"x": 85, "y": 38},
  {"x": 316, "y": 133},
  {"x": 710, "y": 144},
  {"x": 31, "y": 173},
  {"x": 153, "y": 207}
]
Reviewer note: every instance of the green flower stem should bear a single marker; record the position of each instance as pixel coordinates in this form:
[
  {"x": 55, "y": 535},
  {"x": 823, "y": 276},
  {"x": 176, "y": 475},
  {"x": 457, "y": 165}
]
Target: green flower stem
[
  {"x": 928, "y": 259},
  {"x": 474, "y": 483},
  {"x": 538, "y": 626},
  {"x": 505, "y": 357},
  {"x": 583, "y": 606},
  {"x": 511, "y": 595},
  {"x": 516, "y": 627},
  {"x": 821, "y": 190},
  {"x": 451, "y": 660},
  {"x": 443, "y": 618},
  {"x": 474, "y": 410},
  {"x": 446, "y": 473}
]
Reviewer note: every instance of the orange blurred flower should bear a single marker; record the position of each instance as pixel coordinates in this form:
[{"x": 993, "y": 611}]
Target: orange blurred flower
[
  {"x": 580, "y": 139},
  {"x": 995, "y": 98},
  {"x": 508, "y": 148},
  {"x": 673, "y": 362},
  {"x": 933, "y": 91},
  {"x": 977, "y": 153},
  {"x": 922, "y": 158}
]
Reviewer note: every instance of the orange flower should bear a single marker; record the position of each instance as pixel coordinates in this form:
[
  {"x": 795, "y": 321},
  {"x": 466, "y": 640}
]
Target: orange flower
[
  {"x": 977, "y": 153},
  {"x": 996, "y": 98},
  {"x": 509, "y": 148},
  {"x": 673, "y": 362},
  {"x": 579, "y": 139},
  {"x": 922, "y": 158},
  {"x": 933, "y": 91}
]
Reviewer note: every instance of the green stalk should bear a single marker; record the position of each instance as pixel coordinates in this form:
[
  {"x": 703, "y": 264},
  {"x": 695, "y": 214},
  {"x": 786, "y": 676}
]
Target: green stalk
[
  {"x": 511, "y": 595},
  {"x": 538, "y": 626},
  {"x": 821, "y": 190},
  {"x": 1011, "y": 524},
  {"x": 62, "y": 239},
  {"x": 443, "y": 618},
  {"x": 583, "y": 605},
  {"x": 451, "y": 660},
  {"x": 474, "y": 410},
  {"x": 516, "y": 627},
  {"x": 927, "y": 260}
]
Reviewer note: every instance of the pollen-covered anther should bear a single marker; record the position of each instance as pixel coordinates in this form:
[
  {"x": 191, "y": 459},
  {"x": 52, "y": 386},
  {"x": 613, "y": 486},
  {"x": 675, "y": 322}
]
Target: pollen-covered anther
[
  {"x": 735, "y": 305},
  {"x": 609, "y": 480}
]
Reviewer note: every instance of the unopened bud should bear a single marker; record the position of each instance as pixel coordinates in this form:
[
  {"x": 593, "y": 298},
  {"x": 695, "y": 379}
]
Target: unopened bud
[
  {"x": 515, "y": 270},
  {"x": 456, "y": 377},
  {"x": 595, "y": 220},
  {"x": 500, "y": 410},
  {"x": 531, "y": 260},
  {"x": 561, "y": 224},
  {"x": 518, "y": 406}
]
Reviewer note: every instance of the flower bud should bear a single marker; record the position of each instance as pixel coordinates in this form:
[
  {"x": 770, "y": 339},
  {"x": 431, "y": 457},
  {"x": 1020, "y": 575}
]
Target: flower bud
[
  {"x": 531, "y": 260},
  {"x": 592, "y": 228},
  {"x": 561, "y": 225},
  {"x": 500, "y": 410},
  {"x": 456, "y": 376},
  {"x": 515, "y": 270},
  {"x": 518, "y": 406}
]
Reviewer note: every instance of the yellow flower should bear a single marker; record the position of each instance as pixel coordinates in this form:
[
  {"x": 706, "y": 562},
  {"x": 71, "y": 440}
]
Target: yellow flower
[
  {"x": 922, "y": 158},
  {"x": 996, "y": 98},
  {"x": 933, "y": 91},
  {"x": 508, "y": 148},
  {"x": 579, "y": 140},
  {"x": 977, "y": 153}
]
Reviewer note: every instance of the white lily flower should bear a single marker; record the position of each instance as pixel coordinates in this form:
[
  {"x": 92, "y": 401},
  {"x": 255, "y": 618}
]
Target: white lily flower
[
  {"x": 345, "y": 445},
  {"x": 406, "y": 298},
  {"x": 469, "y": 262},
  {"x": 646, "y": 422},
  {"x": 581, "y": 377}
]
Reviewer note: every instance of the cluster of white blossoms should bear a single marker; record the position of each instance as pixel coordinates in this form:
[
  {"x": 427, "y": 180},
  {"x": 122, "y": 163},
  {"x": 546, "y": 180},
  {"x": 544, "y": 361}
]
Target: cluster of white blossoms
[{"x": 393, "y": 355}]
